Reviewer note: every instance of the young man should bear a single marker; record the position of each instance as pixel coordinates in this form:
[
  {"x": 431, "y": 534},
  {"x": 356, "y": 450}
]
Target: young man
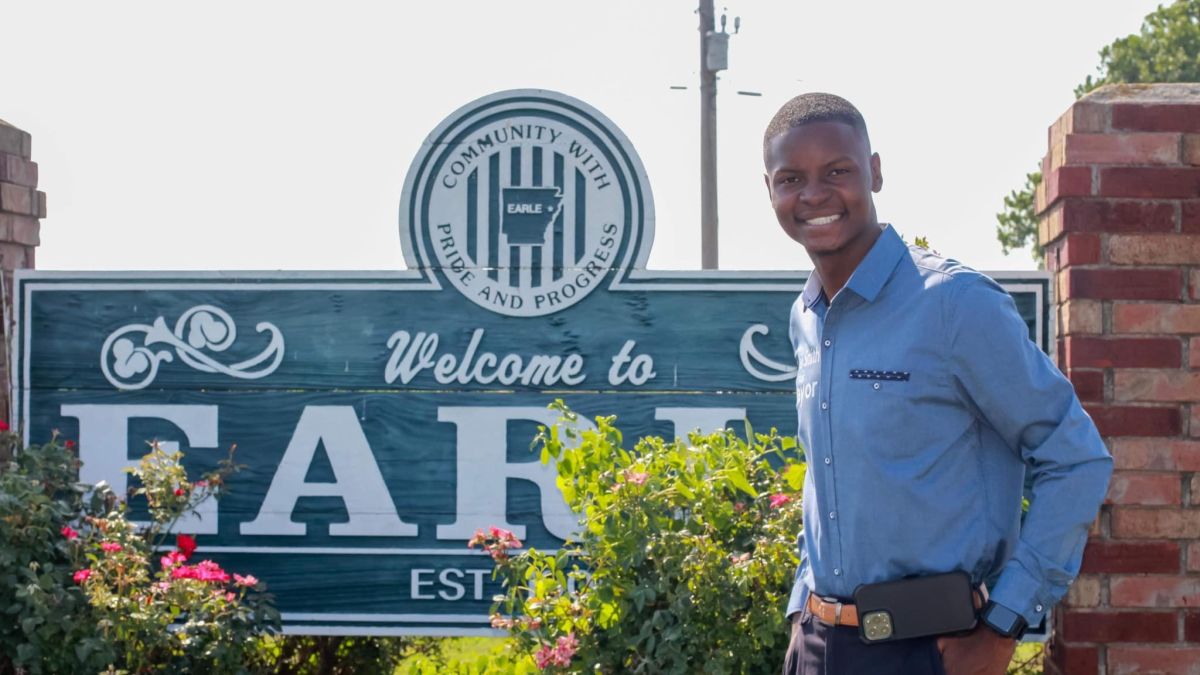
[{"x": 922, "y": 405}]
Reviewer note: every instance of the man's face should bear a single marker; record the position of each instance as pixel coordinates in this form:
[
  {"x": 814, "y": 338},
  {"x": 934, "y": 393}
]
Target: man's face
[{"x": 820, "y": 177}]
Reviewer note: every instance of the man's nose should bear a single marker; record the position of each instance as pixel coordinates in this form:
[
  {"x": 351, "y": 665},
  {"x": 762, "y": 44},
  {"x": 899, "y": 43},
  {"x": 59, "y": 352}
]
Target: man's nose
[{"x": 813, "y": 194}]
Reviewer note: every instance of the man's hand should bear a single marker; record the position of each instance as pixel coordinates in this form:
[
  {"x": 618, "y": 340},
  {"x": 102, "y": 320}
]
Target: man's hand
[{"x": 982, "y": 652}]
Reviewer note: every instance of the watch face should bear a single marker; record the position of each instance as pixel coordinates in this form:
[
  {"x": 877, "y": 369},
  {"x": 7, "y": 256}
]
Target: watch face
[{"x": 1004, "y": 619}]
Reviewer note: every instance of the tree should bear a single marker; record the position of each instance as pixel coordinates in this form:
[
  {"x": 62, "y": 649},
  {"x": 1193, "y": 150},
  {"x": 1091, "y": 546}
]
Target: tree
[{"x": 1166, "y": 50}]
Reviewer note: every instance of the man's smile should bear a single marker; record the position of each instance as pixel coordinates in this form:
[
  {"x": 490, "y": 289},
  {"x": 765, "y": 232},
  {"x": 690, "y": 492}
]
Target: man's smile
[{"x": 821, "y": 220}]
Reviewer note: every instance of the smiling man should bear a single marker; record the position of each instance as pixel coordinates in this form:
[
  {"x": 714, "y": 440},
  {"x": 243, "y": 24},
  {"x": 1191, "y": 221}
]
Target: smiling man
[{"x": 930, "y": 408}]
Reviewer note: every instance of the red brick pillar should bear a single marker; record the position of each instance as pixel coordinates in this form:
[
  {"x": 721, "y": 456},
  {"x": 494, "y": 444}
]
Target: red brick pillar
[
  {"x": 21, "y": 205},
  {"x": 1119, "y": 214}
]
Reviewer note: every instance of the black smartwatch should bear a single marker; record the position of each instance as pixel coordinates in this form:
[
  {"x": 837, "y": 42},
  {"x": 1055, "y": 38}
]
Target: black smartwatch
[{"x": 1003, "y": 620}]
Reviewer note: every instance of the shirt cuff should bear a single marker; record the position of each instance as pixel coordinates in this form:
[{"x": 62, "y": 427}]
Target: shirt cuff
[{"x": 1021, "y": 592}]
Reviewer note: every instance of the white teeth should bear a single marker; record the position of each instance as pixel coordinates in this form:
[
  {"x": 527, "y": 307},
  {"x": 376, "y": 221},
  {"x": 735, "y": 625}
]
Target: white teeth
[{"x": 823, "y": 221}]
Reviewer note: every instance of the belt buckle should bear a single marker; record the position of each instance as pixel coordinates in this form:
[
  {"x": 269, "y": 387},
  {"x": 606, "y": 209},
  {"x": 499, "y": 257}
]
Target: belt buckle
[{"x": 837, "y": 614}]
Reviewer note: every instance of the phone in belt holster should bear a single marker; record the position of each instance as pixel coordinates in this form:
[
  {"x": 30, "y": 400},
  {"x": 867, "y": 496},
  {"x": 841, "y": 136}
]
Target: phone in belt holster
[{"x": 939, "y": 604}]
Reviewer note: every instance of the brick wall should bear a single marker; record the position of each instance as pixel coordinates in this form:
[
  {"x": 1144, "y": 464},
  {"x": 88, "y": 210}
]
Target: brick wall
[
  {"x": 21, "y": 207},
  {"x": 1119, "y": 213}
]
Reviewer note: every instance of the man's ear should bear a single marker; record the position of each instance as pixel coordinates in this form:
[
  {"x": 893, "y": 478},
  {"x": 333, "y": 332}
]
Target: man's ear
[
  {"x": 876, "y": 174},
  {"x": 767, "y": 182}
]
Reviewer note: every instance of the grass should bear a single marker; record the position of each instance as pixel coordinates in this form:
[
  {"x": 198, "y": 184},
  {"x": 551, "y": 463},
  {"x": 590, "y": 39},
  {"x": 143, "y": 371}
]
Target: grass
[{"x": 1026, "y": 661}]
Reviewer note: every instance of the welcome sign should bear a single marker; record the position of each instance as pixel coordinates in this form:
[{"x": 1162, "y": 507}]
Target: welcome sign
[{"x": 383, "y": 417}]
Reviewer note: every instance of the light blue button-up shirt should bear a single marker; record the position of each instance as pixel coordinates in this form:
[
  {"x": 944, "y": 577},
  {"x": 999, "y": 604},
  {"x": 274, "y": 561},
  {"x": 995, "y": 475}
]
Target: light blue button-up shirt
[{"x": 922, "y": 404}]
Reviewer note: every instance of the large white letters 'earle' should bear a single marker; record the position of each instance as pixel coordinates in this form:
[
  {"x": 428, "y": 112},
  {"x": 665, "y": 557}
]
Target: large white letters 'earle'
[
  {"x": 357, "y": 480},
  {"x": 483, "y": 471}
]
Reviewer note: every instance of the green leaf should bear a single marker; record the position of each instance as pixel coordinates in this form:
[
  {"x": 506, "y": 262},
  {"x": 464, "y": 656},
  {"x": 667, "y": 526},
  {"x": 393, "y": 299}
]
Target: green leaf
[
  {"x": 738, "y": 478},
  {"x": 794, "y": 475}
]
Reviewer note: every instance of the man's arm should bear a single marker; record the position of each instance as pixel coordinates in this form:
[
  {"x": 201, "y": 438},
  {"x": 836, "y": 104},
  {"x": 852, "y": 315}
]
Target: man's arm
[{"x": 1027, "y": 400}]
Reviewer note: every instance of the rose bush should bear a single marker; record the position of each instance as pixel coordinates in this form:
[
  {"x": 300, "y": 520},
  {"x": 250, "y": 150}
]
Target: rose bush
[
  {"x": 682, "y": 564},
  {"x": 86, "y": 588}
]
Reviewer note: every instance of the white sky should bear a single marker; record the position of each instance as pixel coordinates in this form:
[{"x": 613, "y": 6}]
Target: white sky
[{"x": 276, "y": 135}]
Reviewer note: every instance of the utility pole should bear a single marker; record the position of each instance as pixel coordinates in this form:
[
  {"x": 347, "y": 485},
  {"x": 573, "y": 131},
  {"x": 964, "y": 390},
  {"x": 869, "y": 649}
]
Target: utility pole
[
  {"x": 714, "y": 56},
  {"x": 708, "y": 142}
]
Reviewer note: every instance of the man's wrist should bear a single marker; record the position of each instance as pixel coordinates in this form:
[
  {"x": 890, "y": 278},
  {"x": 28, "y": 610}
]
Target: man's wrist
[{"x": 1003, "y": 620}]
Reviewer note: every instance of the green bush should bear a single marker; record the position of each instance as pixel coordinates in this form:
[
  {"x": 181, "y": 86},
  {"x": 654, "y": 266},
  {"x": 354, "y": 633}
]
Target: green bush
[
  {"x": 84, "y": 590},
  {"x": 683, "y": 562}
]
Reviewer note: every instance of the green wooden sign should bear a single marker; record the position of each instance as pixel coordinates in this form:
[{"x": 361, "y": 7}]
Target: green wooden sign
[{"x": 384, "y": 417}]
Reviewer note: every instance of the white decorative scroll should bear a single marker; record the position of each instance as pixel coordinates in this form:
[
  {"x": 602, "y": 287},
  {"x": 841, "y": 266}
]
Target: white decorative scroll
[
  {"x": 752, "y": 358},
  {"x": 201, "y": 330}
]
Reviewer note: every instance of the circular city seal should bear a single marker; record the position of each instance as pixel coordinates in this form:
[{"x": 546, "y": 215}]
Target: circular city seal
[{"x": 526, "y": 201}]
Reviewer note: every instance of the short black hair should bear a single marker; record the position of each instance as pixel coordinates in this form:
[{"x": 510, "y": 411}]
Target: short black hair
[{"x": 814, "y": 107}]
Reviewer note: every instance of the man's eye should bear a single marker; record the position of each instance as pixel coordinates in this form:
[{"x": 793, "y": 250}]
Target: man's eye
[
  {"x": 839, "y": 172},
  {"x": 790, "y": 179}
]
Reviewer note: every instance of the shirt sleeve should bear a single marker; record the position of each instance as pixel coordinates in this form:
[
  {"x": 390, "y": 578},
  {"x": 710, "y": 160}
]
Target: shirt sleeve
[
  {"x": 1018, "y": 391},
  {"x": 799, "y": 595}
]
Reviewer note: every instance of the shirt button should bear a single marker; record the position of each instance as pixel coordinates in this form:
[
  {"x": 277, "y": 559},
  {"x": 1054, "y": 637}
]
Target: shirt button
[
  {"x": 837, "y": 572},
  {"x": 824, "y": 405},
  {"x": 833, "y": 516},
  {"x": 828, "y": 461},
  {"x": 828, "y": 342},
  {"x": 876, "y": 385},
  {"x": 1038, "y": 608}
]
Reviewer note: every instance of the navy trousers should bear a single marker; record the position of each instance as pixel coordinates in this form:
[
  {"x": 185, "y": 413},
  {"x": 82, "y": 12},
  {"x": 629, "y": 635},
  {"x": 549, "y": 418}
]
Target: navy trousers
[{"x": 820, "y": 649}]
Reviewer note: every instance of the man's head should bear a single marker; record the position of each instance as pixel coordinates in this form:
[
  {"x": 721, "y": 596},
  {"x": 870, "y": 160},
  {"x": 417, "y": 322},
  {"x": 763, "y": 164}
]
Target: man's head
[{"x": 820, "y": 173}]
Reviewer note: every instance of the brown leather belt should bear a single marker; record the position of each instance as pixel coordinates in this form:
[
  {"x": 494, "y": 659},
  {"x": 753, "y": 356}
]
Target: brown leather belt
[{"x": 834, "y": 613}]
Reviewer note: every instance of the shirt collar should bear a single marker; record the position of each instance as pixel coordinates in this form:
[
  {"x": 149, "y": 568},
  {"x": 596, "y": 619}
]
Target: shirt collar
[{"x": 870, "y": 275}]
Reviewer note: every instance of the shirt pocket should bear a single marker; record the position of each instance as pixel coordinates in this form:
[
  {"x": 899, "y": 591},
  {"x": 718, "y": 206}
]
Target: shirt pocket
[{"x": 883, "y": 402}]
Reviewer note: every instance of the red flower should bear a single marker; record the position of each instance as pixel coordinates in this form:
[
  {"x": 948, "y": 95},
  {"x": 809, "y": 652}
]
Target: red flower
[
  {"x": 69, "y": 533},
  {"x": 82, "y": 575},
  {"x": 3, "y": 425},
  {"x": 186, "y": 544},
  {"x": 110, "y": 547},
  {"x": 179, "y": 492},
  {"x": 779, "y": 500},
  {"x": 69, "y": 444}
]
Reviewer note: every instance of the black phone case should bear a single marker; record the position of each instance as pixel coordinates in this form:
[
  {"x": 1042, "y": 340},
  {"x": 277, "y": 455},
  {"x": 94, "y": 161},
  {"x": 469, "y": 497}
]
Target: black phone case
[{"x": 916, "y": 607}]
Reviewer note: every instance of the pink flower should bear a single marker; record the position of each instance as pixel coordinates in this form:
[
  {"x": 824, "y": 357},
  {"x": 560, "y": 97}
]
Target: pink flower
[
  {"x": 565, "y": 649},
  {"x": 186, "y": 544},
  {"x": 479, "y": 539},
  {"x": 230, "y": 597},
  {"x": 739, "y": 559},
  {"x": 3, "y": 425},
  {"x": 249, "y": 581},
  {"x": 558, "y": 655},
  {"x": 172, "y": 559},
  {"x": 636, "y": 477},
  {"x": 82, "y": 575},
  {"x": 110, "y": 547},
  {"x": 779, "y": 500},
  {"x": 544, "y": 657},
  {"x": 207, "y": 570},
  {"x": 162, "y": 586},
  {"x": 69, "y": 533},
  {"x": 497, "y": 541},
  {"x": 200, "y": 484}
]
